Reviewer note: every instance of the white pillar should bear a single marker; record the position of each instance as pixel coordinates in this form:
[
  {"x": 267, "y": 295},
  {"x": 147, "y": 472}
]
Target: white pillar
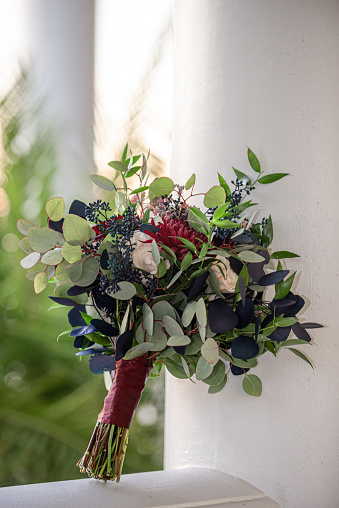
[
  {"x": 60, "y": 38},
  {"x": 265, "y": 74}
]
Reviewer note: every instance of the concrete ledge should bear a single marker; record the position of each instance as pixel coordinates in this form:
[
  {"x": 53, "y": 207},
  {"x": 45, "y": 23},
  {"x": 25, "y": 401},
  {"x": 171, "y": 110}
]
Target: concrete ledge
[{"x": 191, "y": 487}]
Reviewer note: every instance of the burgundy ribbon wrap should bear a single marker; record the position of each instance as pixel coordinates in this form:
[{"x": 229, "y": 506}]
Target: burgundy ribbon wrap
[{"x": 124, "y": 395}]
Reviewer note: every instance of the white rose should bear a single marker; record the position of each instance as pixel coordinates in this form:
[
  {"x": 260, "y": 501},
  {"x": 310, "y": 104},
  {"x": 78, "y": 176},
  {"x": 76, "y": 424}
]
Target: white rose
[
  {"x": 225, "y": 275},
  {"x": 142, "y": 253}
]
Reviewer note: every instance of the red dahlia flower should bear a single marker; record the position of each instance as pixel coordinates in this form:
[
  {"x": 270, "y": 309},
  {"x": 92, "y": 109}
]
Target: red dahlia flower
[{"x": 170, "y": 229}]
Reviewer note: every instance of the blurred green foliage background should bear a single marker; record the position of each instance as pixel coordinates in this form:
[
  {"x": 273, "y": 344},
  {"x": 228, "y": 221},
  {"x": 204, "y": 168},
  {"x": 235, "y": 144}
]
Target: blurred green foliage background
[{"x": 49, "y": 399}]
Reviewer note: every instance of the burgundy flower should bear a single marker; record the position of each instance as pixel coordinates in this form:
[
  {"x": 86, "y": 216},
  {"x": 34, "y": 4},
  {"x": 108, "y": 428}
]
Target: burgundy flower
[{"x": 170, "y": 229}]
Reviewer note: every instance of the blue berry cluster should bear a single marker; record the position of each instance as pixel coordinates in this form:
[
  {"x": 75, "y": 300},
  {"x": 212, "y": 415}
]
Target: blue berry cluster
[{"x": 94, "y": 210}]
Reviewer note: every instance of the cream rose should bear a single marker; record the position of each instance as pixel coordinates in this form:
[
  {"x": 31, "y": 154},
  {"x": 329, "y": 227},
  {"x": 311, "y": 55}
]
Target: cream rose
[
  {"x": 142, "y": 253},
  {"x": 225, "y": 275}
]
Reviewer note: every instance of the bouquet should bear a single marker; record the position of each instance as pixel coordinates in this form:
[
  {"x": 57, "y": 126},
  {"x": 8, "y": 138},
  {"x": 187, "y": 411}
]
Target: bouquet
[{"x": 150, "y": 280}]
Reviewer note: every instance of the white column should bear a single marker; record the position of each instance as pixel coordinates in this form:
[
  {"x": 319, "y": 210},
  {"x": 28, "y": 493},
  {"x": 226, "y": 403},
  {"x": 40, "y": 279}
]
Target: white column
[
  {"x": 265, "y": 74},
  {"x": 60, "y": 38}
]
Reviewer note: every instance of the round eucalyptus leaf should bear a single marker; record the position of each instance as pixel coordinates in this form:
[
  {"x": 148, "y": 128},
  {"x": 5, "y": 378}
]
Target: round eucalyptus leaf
[
  {"x": 52, "y": 257},
  {"x": 162, "y": 186},
  {"x": 148, "y": 318},
  {"x": 138, "y": 350},
  {"x": 217, "y": 375},
  {"x": 178, "y": 340},
  {"x": 204, "y": 369},
  {"x": 65, "y": 275},
  {"x": 161, "y": 309},
  {"x": 195, "y": 346},
  {"x": 30, "y": 260},
  {"x": 216, "y": 196},
  {"x": 77, "y": 230},
  {"x": 40, "y": 282},
  {"x": 201, "y": 312},
  {"x": 252, "y": 385},
  {"x": 42, "y": 239},
  {"x": 25, "y": 246},
  {"x": 215, "y": 389},
  {"x": 190, "y": 182},
  {"x": 159, "y": 338},
  {"x": 37, "y": 268},
  {"x": 126, "y": 292},
  {"x": 188, "y": 313},
  {"x": 210, "y": 351},
  {"x": 171, "y": 326},
  {"x": 90, "y": 270},
  {"x": 71, "y": 253},
  {"x": 55, "y": 208},
  {"x": 23, "y": 226}
]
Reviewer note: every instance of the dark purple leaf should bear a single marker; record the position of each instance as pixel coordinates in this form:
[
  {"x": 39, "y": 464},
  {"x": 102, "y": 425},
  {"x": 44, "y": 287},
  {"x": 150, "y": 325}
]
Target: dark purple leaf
[
  {"x": 98, "y": 364},
  {"x": 102, "y": 300},
  {"x": 221, "y": 317},
  {"x": 74, "y": 316},
  {"x": 104, "y": 259},
  {"x": 281, "y": 306},
  {"x": 63, "y": 301},
  {"x": 273, "y": 278},
  {"x": 256, "y": 270},
  {"x": 124, "y": 343},
  {"x": 235, "y": 264},
  {"x": 149, "y": 227},
  {"x": 245, "y": 312},
  {"x": 80, "y": 342},
  {"x": 56, "y": 225},
  {"x": 77, "y": 290},
  {"x": 78, "y": 208},
  {"x": 82, "y": 330},
  {"x": 310, "y": 325},
  {"x": 242, "y": 239},
  {"x": 237, "y": 371},
  {"x": 197, "y": 286},
  {"x": 105, "y": 328},
  {"x": 244, "y": 347},
  {"x": 280, "y": 334},
  {"x": 90, "y": 352},
  {"x": 300, "y": 332},
  {"x": 299, "y": 303},
  {"x": 180, "y": 349}
]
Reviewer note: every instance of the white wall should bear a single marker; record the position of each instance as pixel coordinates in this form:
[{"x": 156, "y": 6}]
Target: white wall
[
  {"x": 60, "y": 52},
  {"x": 265, "y": 74}
]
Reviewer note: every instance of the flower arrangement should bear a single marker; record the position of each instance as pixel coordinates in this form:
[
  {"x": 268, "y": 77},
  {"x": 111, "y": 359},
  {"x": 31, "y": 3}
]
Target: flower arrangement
[{"x": 151, "y": 280}]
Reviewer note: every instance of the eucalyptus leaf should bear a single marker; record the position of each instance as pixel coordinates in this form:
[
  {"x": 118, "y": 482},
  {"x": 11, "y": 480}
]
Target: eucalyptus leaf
[
  {"x": 204, "y": 369},
  {"x": 148, "y": 318},
  {"x": 23, "y": 226},
  {"x": 52, "y": 257},
  {"x": 171, "y": 326},
  {"x": 138, "y": 350},
  {"x": 210, "y": 351},
  {"x": 248, "y": 256},
  {"x": 159, "y": 338},
  {"x": 71, "y": 253},
  {"x": 190, "y": 182},
  {"x": 201, "y": 313},
  {"x": 252, "y": 385},
  {"x": 185, "y": 367},
  {"x": 188, "y": 313},
  {"x": 215, "y": 196},
  {"x": 217, "y": 375},
  {"x": 30, "y": 260},
  {"x": 174, "y": 279},
  {"x": 178, "y": 340},
  {"x": 119, "y": 166},
  {"x": 126, "y": 292},
  {"x": 55, "y": 208},
  {"x": 195, "y": 345},
  {"x": 103, "y": 182},
  {"x": 42, "y": 239},
  {"x": 40, "y": 282},
  {"x": 25, "y": 246},
  {"x": 155, "y": 253},
  {"x": 77, "y": 230},
  {"x": 162, "y": 309},
  {"x": 162, "y": 186},
  {"x": 215, "y": 389}
]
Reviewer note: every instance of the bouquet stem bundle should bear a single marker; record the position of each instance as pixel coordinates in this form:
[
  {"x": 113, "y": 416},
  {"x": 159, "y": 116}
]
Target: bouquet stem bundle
[{"x": 105, "y": 453}]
